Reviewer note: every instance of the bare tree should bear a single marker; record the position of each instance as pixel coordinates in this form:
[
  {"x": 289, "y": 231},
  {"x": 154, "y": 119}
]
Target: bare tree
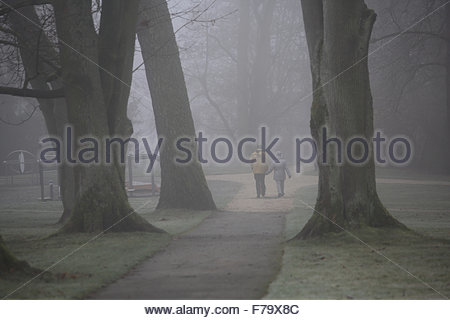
[
  {"x": 10, "y": 264},
  {"x": 338, "y": 34},
  {"x": 182, "y": 185},
  {"x": 412, "y": 70},
  {"x": 96, "y": 72}
]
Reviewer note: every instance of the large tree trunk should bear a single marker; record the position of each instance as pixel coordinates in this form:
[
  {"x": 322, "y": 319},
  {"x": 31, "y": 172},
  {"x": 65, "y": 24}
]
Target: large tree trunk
[
  {"x": 182, "y": 185},
  {"x": 118, "y": 25},
  {"x": 10, "y": 264},
  {"x": 448, "y": 88},
  {"x": 39, "y": 60},
  {"x": 101, "y": 199},
  {"x": 338, "y": 33}
]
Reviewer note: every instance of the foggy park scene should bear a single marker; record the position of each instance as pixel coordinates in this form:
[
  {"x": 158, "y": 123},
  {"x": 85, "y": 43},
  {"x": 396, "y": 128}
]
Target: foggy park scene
[{"x": 225, "y": 149}]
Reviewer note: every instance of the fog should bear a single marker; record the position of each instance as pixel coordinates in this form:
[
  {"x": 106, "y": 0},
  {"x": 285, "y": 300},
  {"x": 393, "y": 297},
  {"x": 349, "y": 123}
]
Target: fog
[
  {"x": 408, "y": 73},
  {"x": 246, "y": 65},
  {"x": 232, "y": 149}
]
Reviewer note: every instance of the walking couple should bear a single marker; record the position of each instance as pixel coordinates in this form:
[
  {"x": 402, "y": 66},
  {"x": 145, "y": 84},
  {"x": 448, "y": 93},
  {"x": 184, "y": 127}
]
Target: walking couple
[{"x": 261, "y": 169}]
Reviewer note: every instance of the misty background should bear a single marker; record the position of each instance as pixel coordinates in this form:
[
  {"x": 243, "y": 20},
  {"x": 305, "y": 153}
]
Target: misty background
[{"x": 246, "y": 65}]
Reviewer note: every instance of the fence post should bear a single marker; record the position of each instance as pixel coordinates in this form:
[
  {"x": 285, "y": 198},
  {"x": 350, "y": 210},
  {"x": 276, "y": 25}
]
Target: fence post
[
  {"x": 50, "y": 185},
  {"x": 41, "y": 180},
  {"x": 130, "y": 172},
  {"x": 11, "y": 174},
  {"x": 5, "y": 168},
  {"x": 153, "y": 183},
  {"x": 36, "y": 172}
]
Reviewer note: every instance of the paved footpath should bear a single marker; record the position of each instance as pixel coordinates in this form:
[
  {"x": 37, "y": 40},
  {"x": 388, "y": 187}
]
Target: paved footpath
[
  {"x": 230, "y": 255},
  {"x": 233, "y": 254}
]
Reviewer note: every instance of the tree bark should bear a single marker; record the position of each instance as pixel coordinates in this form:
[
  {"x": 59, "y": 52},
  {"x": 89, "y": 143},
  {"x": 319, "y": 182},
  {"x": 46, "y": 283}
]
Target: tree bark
[
  {"x": 182, "y": 185},
  {"x": 338, "y": 34},
  {"x": 101, "y": 200},
  {"x": 10, "y": 264},
  {"x": 16, "y": 5},
  {"x": 32, "y": 93},
  {"x": 448, "y": 87},
  {"x": 117, "y": 30}
]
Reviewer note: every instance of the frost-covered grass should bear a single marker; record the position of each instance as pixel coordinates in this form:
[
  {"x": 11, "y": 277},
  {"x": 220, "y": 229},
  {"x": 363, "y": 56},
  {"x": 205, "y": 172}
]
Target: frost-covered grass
[
  {"x": 89, "y": 263},
  {"x": 97, "y": 263},
  {"x": 340, "y": 267}
]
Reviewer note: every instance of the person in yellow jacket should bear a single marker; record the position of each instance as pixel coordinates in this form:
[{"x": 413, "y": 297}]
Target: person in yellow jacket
[{"x": 259, "y": 169}]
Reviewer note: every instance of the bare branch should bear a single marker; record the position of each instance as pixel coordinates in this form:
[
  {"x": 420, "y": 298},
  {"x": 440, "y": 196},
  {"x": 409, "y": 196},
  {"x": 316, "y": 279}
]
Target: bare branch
[
  {"x": 6, "y": 8},
  {"x": 29, "y": 116},
  {"x": 33, "y": 93},
  {"x": 428, "y": 33},
  {"x": 228, "y": 52},
  {"x": 9, "y": 43}
]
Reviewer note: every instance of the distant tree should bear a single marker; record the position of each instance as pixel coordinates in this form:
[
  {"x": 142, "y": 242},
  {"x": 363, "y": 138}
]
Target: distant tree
[
  {"x": 242, "y": 67},
  {"x": 415, "y": 72},
  {"x": 247, "y": 69},
  {"x": 182, "y": 185},
  {"x": 338, "y": 34},
  {"x": 253, "y": 64}
]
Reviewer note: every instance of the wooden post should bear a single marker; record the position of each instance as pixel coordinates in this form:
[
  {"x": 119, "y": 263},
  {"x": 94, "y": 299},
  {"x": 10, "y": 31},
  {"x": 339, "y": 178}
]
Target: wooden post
[
  {"x": 50, "y": 185},
  {"x": 130, "y": 173},
  {"x": 41, "y": 180},
  {"x": 153, "y": 182}
]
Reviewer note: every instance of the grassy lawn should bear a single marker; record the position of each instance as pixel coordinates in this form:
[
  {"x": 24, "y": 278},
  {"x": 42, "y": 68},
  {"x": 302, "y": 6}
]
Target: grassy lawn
[
  {"x": 404, "y": 173},
  {"x": 409, "y": 174},
  {"x": 25, "y": 224},
  {"x": 340, "y": 267}
]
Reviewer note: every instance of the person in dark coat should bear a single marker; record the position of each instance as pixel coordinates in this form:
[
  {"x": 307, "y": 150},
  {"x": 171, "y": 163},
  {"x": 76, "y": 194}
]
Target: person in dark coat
[{"x": 280, "y": 170}]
